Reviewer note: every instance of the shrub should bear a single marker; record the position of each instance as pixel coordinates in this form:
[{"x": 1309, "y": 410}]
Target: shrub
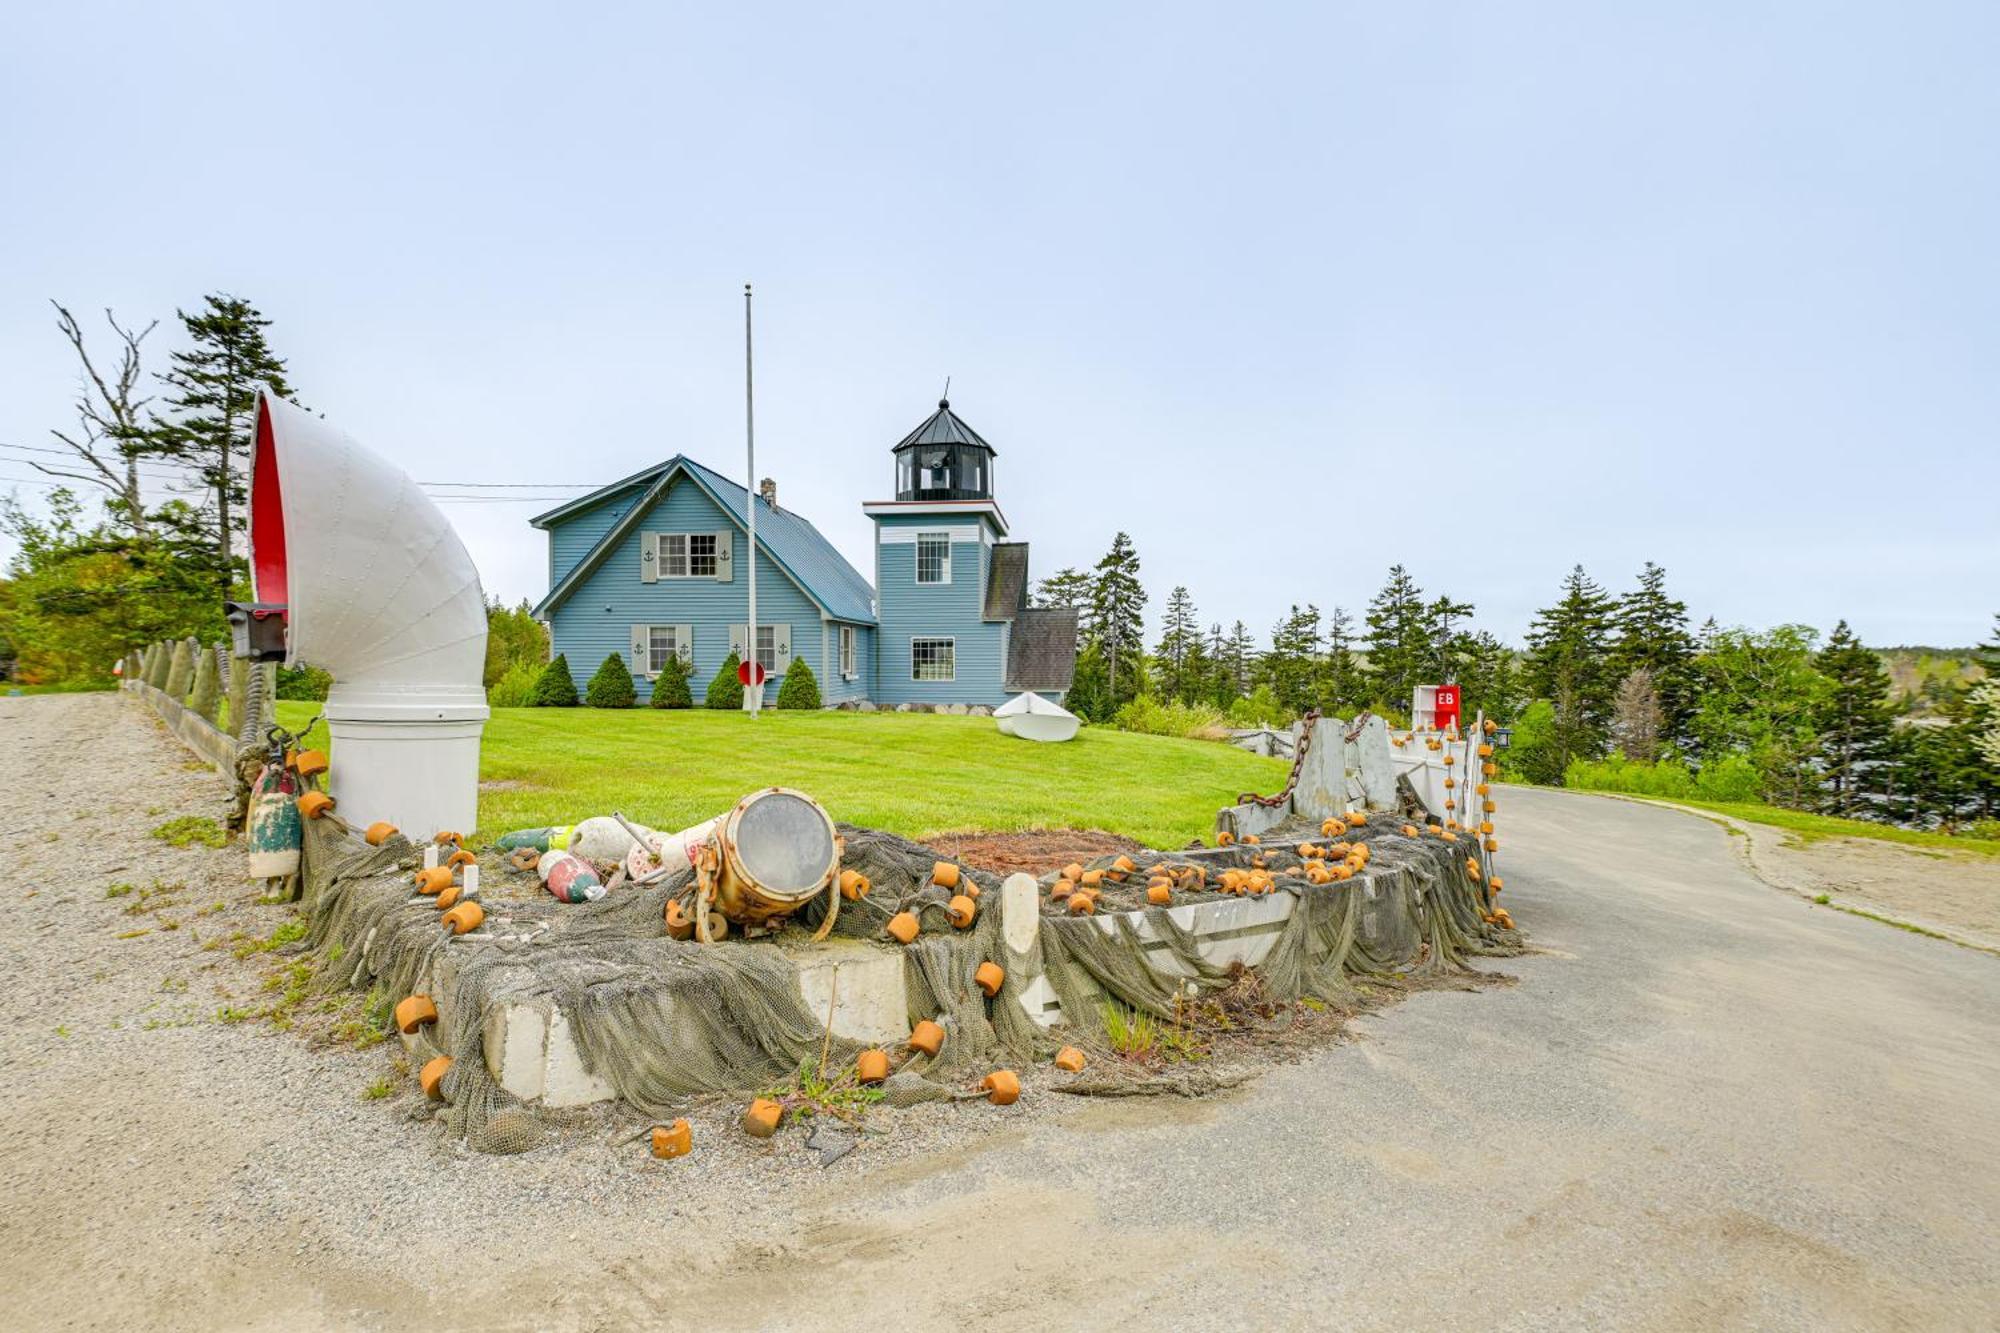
[
  {"x": 800, "y": 688},
  {"x": 555, "y": 687},
  {"x": 671, "y": 690},
  {"x": 516, "y": 686},
  {"x": 725, "y": 691},
  {"x": 611, "y": 685},
  {"x": 1260, "y": 708},
  {"x": 1730, "y": 778},
  {"x": 303, "y": 682},
  {"x": 1171, "y": 718}
]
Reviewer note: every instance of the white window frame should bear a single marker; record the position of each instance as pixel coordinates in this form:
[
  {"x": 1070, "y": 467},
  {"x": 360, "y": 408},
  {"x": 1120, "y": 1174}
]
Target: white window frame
[
  {"x": 688, "y": 557},
  {"x": 944, "y": 562},
  {"x": 767, "y": 657},
  {"x": 847, "y": 670},
  {"x": 951, "y": 658},
  {"x": 656, "y": 658}
]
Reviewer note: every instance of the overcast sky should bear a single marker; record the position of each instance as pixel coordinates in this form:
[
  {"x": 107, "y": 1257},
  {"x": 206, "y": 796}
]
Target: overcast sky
[{"x": 1288, "y": 293}]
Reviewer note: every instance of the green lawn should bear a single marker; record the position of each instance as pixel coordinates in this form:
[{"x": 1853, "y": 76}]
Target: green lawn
[
  {"x": 913, "y": 774},
  {"x": 1809, "y": 828}
]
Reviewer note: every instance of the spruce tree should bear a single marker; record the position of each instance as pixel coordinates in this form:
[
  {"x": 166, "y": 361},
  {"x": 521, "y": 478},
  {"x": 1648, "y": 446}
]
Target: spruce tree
[
  {"x": 725, "y": 691},
  {"x": 1569, "y": 664},
  {"x": 611, "y": 685},
  {"x": 1072, "y": 588},
  {"x": 1291, "y": 667},
  {"x": 800, "y": 688},
  {"x": 1241, "y": 655},
  {"x": 1853, "y": 721},
  {"x": 213, "y": 400},
  {"x": 1652, "y": 636},
  {"x": 1341, "y": 686},
  {"x": 1117, "y": 618},
  {"x": 1399, "y": 640},
  {"x": 670, "y": 688},
  {"x": 555, "y": 687},
  {"x": 1180, "y": 655}
]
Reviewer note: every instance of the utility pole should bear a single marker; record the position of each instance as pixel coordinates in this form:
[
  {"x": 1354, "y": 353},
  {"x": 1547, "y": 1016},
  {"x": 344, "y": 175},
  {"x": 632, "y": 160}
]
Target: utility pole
[{"x": 755, "y": 687}]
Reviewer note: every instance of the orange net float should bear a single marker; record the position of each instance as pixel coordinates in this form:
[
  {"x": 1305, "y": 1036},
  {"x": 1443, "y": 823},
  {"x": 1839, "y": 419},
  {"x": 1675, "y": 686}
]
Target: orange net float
[
  {"x": 463, "y": 917},
  {"x": 435, "y": 880},
  {"x": 871, "y": 1066},
  {"x": 314, "y": 804},
  {"x": 989, "y": 978},
  {"x": 431, "y": 1077},
  {"x": 1159, "y": 893},
  {"x": 1060, "y": 890},
  {"x": 1082, "y": 904},
  {"x": 413, "y": 1012},
  {"x": 761, "y": 1118},
  {"x": 379, "y": 832},
  {"x": 1070, "y": 1060},
  {"x": 310, "y": 763},
  {"x": 945, "y": 875},
  {"x": 903, "y": 927},
  {"x": 1002, "y": 1087},
  {"x": 927, "y": 1038},
  {"x": 1072, "y": 872},
  {"x": 450, "y": 897},
  {"x": 962, "y": 911},
  {"x": 854, "y": 885},
  {"x": 446, "y": 838},
  {"x": 1356, "y": 818},
  {"x": 680, "y": 925},
  {"x": 461, "y": 857},
  {"x": 675, "y": 1140}
]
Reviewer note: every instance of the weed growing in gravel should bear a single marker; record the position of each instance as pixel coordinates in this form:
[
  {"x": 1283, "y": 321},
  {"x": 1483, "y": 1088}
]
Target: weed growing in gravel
[
  {"x": 291, "y": 932},
  {"x": 230, "y": 1013},
  {"x": 191, "y": 829},
  {"x": 1823, "y": 900},
  {"x": 119, "y": 890},
  {"x": 134, "y": 934},
  {"x": 811, "y": 1093},
  {"x": 378, "y": 1090}
]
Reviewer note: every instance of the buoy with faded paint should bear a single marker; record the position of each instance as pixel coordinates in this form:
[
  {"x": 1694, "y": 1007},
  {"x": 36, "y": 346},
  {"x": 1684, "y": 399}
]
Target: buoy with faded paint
[
  {"x": 569, "y": 877},
  {"x": 275, "y": 832}
]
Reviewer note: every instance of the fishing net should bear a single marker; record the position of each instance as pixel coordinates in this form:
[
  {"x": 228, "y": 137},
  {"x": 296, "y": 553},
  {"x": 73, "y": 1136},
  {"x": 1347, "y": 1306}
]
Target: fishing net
[{"x": 660, "y": 1020}]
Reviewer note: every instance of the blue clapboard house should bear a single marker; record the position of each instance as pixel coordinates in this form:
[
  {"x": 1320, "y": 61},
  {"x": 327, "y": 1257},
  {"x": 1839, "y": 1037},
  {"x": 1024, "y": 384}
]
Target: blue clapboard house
[{"x": 657, "y": 564}]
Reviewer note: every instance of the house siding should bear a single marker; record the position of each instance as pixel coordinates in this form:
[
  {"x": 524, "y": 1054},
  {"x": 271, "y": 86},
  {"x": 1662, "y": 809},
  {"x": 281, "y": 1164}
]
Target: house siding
[
  {"x": 832, "y": 688},
  {"x": 597, "y": 618},
  {"x": 572, "y": 539},
  {"x": 909, "y": 610}
]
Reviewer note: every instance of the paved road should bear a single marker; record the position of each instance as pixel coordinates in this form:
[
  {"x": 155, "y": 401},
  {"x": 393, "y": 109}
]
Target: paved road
[
  {"x": 1710, "y": 1104},
  {"x": 1707, "y": 1104}
]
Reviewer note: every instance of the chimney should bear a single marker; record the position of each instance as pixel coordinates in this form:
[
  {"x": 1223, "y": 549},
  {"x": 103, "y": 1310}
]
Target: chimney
[{"x": 768, "y": 488}]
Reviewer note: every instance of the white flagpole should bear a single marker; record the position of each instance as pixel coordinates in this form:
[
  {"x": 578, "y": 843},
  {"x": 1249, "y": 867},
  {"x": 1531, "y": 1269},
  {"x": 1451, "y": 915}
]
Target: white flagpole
[{"x": 750, "y": 501}]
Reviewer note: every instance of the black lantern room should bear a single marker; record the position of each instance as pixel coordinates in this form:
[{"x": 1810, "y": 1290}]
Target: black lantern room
[{"x": 944, "y": 459}]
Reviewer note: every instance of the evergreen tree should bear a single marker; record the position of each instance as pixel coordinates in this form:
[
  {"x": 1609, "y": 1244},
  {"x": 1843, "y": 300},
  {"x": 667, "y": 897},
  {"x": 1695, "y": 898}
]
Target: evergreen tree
[
  {"x": 1853, "y": 721},
  {"x": 800, "y": 688},
  {"x": 1487, "y": 676},
  {"x": 1117, "y": 618},
  {"x": 213, "y": 397},
  {"x": 1637, "y": 721},
  {"x": 1652, "y": 636},
  {"x": 1569, "y": 664},
  {"x": 1072, "y": 588},
  {"x": 1343, "y": 686},
  {"x": 725, "y": 691},
  {"x": 555, "y": 687},
  {"x": 1240, "y": 655},
  {"x": 1446, "y": 643},
  {"x": 1399, "y": 640},
  {"x": 1089, "y": 693},
  {"x": 1218, "y": 686},
  {"x": 611, "y": 685},
  {"x": 670, "y": 688},
  {"x": 1291, "y": 667},
  {"x": 1182, "y": 663}
]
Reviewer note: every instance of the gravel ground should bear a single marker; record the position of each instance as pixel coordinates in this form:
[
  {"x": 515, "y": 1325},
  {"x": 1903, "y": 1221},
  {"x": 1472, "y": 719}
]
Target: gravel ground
[{"x": 1705, "y": 1104}]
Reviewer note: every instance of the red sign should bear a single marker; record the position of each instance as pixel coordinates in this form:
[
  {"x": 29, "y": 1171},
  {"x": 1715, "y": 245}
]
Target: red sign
[
  {"x": 1446, "y": 707},
  {"x": 744, "y": 673}
]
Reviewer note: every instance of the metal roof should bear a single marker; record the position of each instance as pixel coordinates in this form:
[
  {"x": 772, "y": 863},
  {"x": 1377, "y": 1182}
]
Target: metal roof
[
  {"x": 788, "y": 538},
  {"x": 944, "y": 427}
]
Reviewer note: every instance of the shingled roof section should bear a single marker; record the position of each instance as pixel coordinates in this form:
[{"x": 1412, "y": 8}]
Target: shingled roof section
[
  {"x": 1007, "y": 581},
  {"x": 1041, "y": 650}
]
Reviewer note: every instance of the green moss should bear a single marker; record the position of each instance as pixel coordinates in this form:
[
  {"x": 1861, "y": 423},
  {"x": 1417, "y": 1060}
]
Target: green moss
[{"x": 191, "y": 829}]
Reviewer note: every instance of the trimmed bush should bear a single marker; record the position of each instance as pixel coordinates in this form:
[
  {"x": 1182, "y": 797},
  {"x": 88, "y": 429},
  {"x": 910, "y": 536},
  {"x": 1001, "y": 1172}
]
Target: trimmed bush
[
  {"x": 555, "y": 687},
  {"x": 670, "y": 689},
  {"x": 611, "y": 686},
  {"x": 801, "y": 688},
  {"x": 515, "y": 688},
  {"x": 725, "y": 691}
]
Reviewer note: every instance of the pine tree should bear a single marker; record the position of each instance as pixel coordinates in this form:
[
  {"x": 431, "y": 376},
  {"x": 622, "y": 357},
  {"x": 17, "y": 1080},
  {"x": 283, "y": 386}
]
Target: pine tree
[
  {"x": 1398, "y": 638},
  {"x": 213, "y": 399},
  {"x": 1853, "y": 721},
  {"x": 1652, "y": 636},
  {"x": 1569, "y": 664},
  {"x": 1072, "y": 588},
  {"x": 725, "y": 690},
  {"x": 1291, "y": 667},
  {"x": 1240, "y": 656},
  {"x": 611, "y": 685},
  {"x": 670, "y": 689},
  {"x": 1446, "y": 646},
  {"x": 800, "y": 688},
  {"x": 1117, "y": 617},
  {"x": 1181, "y": 659},
  {"x": 555, "y": 687},
  {"x": 1487, "y": 676}
]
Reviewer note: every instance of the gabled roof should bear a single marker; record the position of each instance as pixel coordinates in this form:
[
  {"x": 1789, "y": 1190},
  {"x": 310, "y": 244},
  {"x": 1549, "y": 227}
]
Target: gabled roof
[
  {"x": 1006, "y": 581},
  {"x": 793, "y": 543},
  {"x": 944, "y": 427}
]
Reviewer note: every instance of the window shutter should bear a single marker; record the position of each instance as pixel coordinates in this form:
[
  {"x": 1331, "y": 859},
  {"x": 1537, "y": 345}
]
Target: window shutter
[
  {"x": 642, "y": 646},
  {"x": 736, "y": 637},
  {"x": 781, "y": 648},
  {"x": 725, "y": 571},
  {"x": 649, "y": 563},
  {"x": 684, "y": 642}
]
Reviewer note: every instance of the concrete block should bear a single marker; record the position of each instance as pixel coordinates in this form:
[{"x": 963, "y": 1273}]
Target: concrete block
[
  {"x": 1375, "y": 765},
  {"x": 1242, "y": 821},
  {"x": 1020, "y": 912},
  {"x": 869, "y": 1004},
  {"x": 565, "y": 1082}
]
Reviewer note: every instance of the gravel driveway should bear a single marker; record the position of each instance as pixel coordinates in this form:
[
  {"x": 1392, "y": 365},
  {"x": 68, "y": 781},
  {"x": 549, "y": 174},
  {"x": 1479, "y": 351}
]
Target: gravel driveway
[{"x": 1707, "y": 1103}]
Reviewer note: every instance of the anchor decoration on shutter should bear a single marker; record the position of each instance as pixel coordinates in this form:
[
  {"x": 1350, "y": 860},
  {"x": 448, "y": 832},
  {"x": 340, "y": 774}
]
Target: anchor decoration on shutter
[
  {"x": 724, "y": 563},
  {"x": 649, "y": 566}
]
